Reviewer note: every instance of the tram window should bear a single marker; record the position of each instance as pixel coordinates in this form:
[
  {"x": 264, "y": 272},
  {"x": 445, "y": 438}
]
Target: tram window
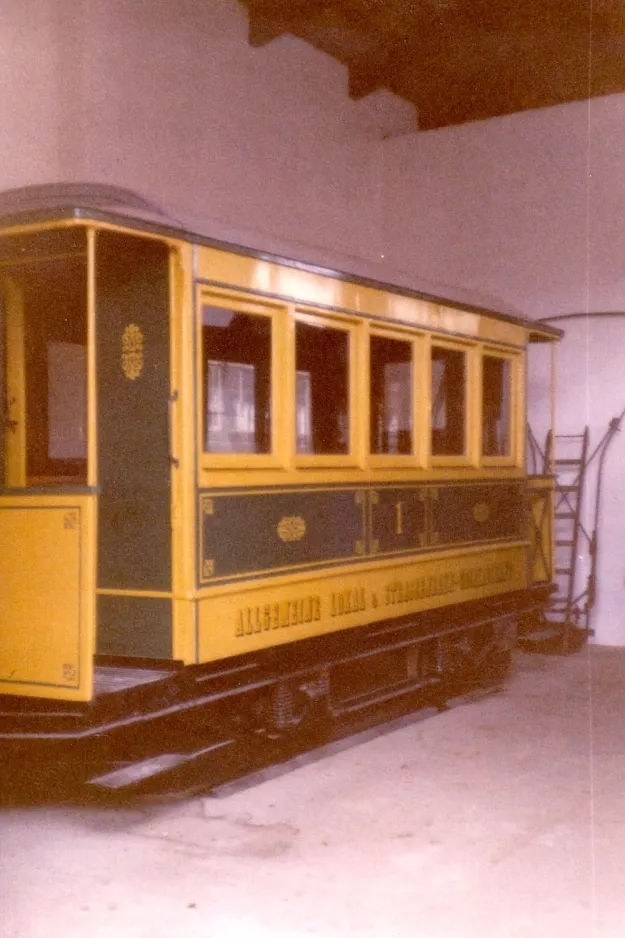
[
  {"x": 46, "y": 304},
  {"x": 322, "y": 414},
  {"x": 390, "y": 395},
  {"x": 496, "y": 382},
  {"x": 237, "y": 381},
  {"x": 448, "y": 401}
]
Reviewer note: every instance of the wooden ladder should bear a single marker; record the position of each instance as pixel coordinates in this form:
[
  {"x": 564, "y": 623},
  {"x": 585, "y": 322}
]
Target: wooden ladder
[{"x": 567, "y": 612}]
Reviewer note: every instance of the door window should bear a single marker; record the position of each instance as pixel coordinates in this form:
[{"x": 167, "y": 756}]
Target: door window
[{"x": 43, "y": 282}]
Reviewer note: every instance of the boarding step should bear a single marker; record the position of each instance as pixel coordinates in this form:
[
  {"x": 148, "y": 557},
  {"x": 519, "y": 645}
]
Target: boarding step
[
  {"x": 112, "y": 680},
  {"x": 135, "y": 774},
  {"x": 557, "y": 639}
]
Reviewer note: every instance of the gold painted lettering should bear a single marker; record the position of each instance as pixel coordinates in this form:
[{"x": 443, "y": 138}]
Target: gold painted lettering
[
  {"x": 345, "y": 602},
  {"x": 251, "y": 620},
  {"x": 399, "y": 519}
]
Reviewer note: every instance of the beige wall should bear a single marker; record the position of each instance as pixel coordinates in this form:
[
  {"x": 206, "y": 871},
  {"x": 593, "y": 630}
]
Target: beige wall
[{"x": 30, "y": 99}]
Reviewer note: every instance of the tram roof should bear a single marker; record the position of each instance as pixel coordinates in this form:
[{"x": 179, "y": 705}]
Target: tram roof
[{"x": 116, "y": 205}]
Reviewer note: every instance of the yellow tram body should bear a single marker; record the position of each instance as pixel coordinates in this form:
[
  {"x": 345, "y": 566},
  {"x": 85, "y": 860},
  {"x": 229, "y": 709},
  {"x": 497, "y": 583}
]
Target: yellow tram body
[{"x": 167, "y": 494}]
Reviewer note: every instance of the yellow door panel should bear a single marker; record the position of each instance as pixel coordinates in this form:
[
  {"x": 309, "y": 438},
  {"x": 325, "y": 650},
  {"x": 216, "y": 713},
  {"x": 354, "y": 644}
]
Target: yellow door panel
[{"x": 47, "y": 607}]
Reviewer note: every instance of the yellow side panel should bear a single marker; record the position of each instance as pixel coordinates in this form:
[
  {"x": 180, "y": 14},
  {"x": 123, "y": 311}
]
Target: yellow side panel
[
  {"x": 540, "y": 491},
  {"x": 251, "y": 617},
  {"x": 47, "y": 610},
  {"x": 305, "y": 286}
]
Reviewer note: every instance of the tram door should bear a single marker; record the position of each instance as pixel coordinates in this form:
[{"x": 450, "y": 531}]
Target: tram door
[
  {"x": 47, "y": 509},
  {"x": 134, "y": 579}
]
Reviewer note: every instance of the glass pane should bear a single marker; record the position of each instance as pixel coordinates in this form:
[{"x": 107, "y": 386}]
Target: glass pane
[
  {"x": 45, "y": 297},
  {"x": 391, "y": 395},
  {"x": 495, "y": 406},
  {"x": 303, "y": 417},
  {"x": 237, "y": 381},
  {"x": 448, "y": 402},
  {"x": 322, "y": 364},
  {"x": 67, "y": 401}
]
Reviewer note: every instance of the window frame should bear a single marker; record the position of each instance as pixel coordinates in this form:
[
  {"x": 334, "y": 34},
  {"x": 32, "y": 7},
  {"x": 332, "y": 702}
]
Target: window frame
[
  {"x": 360, "y": 331},
  {"x": 416, "y": 459},
  {"x": 276, "y": 313},
  {"x": 357, "y": 432},
  {"x": 470, "y": 454},
  {"x": 514, "y": 458}
]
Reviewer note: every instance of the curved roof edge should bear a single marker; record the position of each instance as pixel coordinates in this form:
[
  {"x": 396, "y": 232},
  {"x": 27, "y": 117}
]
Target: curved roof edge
[
  {"x": 103, "y": 201},
  {"x": 71, "y": 195}
]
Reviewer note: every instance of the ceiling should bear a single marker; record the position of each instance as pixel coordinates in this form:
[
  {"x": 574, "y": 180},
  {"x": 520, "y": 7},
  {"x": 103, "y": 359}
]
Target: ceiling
[{"x": 460, "y": 60}]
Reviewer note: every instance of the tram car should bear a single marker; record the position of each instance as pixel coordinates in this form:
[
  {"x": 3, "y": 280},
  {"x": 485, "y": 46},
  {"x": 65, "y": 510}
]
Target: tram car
[{"x": 237, "y": 489}]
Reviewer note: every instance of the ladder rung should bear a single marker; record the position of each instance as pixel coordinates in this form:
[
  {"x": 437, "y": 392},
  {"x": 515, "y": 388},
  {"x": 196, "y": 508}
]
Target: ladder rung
[
  {"x": 564, "y": 543},
  {"x": 564, "y": 571},
  {"x": 569, "y": 462},
  {"x": 564, "y": 515},
  {"x": 568, "y": 488}
]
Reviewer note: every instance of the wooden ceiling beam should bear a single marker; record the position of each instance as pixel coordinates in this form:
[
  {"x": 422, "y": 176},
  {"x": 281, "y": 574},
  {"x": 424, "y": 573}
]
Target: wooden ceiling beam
[
  {"x": 364, "y": 78},
  {"x": 495, "y": 78},
  {"x": 269, "y": 19},
  {"x": 261, "y": 30},
  {"x": 460, "y": 60},
  {"x": 383, "y": 67}
]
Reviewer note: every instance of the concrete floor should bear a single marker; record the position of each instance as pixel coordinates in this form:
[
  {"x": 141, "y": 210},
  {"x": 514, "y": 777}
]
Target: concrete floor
[{"x": 502, "y": 818}]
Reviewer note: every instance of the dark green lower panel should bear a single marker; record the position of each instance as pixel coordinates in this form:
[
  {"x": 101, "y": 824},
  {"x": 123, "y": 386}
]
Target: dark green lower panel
[
  {"x": 138, "y": 626},
  {"x": 264, "y": 532}
]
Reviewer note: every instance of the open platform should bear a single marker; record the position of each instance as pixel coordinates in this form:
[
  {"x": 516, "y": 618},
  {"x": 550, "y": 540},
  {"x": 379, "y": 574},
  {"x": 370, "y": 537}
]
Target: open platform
[{"x": 110, "y": 680}]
